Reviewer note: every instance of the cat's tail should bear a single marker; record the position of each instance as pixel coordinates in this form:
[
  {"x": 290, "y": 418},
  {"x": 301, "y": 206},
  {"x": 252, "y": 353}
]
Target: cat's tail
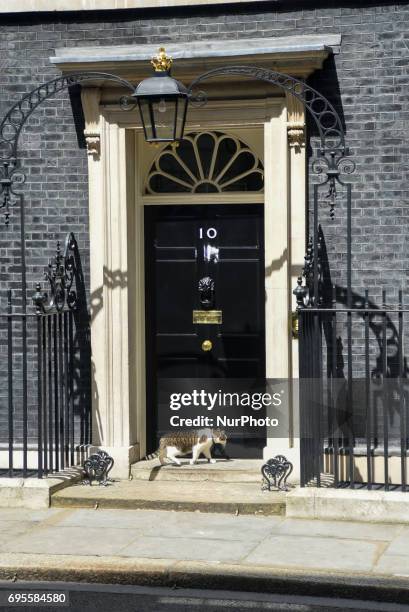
[
  {"x": 151, "y": 456},
  {"x": 160, "y": 452}
]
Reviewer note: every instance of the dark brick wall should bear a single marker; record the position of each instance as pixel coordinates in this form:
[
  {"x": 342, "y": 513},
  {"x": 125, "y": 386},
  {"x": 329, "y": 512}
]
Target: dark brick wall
[{"x": 368, "y": 81}]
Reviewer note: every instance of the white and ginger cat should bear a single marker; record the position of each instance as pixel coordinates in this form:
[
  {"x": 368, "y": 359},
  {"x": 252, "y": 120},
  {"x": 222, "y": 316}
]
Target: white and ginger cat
[{"x": 198, "y": 442}]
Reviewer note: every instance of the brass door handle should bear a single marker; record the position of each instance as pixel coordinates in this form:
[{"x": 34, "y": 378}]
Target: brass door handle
[{"x": 207, "y": 345}]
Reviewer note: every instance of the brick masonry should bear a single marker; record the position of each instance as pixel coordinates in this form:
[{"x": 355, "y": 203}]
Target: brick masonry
[{"x": 368, "y": 81}]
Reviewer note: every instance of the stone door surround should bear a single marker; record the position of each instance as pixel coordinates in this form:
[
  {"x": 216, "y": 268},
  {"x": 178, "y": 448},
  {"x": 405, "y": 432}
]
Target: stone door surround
[{"x": 118, "y": 159}]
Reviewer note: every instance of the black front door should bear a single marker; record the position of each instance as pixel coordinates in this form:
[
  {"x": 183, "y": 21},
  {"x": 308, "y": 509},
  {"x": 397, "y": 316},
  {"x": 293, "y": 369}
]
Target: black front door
[{"x": 204, "y": 299}]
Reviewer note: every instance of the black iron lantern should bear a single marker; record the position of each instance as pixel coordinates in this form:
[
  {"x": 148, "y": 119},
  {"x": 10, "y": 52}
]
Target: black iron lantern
[{"x": 162, "y": 103}]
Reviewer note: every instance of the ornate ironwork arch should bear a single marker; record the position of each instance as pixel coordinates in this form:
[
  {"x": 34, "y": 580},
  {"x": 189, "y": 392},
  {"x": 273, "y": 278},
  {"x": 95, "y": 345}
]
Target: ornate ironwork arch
[
  {"x": 323, "y": 113},
  {"x": 333, "y": 150},
  {"x": 13, "y": 122},
  {"x": 11, "y": 175},
  {"x": 333, "y": 161}
]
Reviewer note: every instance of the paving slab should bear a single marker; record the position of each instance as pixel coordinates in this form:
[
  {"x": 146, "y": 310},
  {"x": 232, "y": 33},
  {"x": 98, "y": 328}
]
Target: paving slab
[
  {"x": 242, "y": 498},
  {"x": 24, "y": 514},
  {"x": 10, "y": 530},
  {"x": 397, "y": 565},
  {"x": 400, "y": 545},
  {"x": 195, "y": 525},
  {"x": 337, "y": 529},
  {"x": 71, "y": 541},
  {"x": 315, "y": 552},
  {"x": 213, "y": 550}
]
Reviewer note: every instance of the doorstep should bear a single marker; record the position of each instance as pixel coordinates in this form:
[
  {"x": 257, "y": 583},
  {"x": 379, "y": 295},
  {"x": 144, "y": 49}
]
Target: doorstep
[
  {"x": 226, "y": 486},
  {"x": 348, "y": 505},
  {"x": 234, "y": 471},
  {"x": 218, "y": 497}
]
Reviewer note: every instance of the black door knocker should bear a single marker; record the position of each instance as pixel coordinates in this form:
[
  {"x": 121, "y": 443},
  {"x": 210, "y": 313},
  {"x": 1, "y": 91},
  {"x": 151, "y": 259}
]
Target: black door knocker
[{"x": 206, "y": 292}]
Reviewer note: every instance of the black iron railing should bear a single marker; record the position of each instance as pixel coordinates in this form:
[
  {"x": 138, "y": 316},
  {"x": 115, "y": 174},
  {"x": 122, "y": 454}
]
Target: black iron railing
[
  {"x": 354, "y": 395},
  {"x": 45, "y": 411},
  {"x": 45, "y": 430}
]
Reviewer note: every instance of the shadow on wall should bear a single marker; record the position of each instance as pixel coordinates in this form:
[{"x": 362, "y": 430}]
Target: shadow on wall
[
  {"x": 112, "y": 279},
  {"x": 326, "y": 82},
  {"x": 379, "y": 357},
  {"x": 81, "y": 362},
  {"x": 378, "y": 325}
]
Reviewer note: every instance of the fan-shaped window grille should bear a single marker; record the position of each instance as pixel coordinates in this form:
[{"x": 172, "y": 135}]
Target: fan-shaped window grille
[{"x": 209, "y": 162}]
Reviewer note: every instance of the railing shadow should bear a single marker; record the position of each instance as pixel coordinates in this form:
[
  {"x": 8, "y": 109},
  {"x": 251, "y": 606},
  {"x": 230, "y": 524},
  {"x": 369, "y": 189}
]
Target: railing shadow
[{"x": 361, "y": 390}]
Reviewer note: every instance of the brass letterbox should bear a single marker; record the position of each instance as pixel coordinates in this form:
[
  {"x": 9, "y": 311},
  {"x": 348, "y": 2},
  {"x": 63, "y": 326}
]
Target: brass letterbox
[{"x": 207, "y": 317}]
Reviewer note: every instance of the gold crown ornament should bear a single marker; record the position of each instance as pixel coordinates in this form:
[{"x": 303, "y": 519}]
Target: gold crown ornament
[{"x": 161, "y": 62}]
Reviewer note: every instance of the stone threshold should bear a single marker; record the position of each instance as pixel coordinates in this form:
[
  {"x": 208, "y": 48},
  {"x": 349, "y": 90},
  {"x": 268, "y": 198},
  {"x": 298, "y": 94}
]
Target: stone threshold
[
  {"x": 217, "y": 497},
  {"x": 234, "y": 471}
]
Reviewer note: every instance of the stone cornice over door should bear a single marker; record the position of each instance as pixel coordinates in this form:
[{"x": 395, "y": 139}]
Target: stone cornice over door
[{"x": 298, "y": 56}]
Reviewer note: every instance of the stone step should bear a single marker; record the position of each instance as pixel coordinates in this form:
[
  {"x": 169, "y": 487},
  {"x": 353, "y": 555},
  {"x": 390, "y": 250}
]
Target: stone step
[
  {"x": 233, "y": 471},
  {"x": 233, "y": 498}
]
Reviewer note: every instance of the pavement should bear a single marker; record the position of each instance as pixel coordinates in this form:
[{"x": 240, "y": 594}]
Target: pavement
[{"x": 199, "y": 550}]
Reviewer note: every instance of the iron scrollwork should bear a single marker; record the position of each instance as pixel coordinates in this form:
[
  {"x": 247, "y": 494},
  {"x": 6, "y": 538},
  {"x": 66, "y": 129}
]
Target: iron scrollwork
[
  {"x": 12, "y": 175},
  {"x": 198, "y": 98},
  {"x": 322, "y": 111},
  {"x": 97, "y": 468},
  {"x": 333, "y": 152},
  {"x": 127, "y": 103},
  {"x": 60, "y": 275},
  {"x": 331, "y": 166},
  {"x": 10, "y": 178},
  {"x": 13, "y": 123},
  {"x": 304, "y": 292},
  {"x": 275, "y": 473}
]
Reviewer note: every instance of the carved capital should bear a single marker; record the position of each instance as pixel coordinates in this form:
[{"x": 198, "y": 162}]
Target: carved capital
[
  {"x": 295, "y": 122},
  {"x": 296, "y": 135},
  {"x": 93, "y": 144},
  {"x": 90, "y": 97}
]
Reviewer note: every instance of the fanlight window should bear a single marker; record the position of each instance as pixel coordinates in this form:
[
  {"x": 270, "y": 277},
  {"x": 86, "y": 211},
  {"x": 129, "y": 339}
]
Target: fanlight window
[{"x": 209, "y": 162}]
